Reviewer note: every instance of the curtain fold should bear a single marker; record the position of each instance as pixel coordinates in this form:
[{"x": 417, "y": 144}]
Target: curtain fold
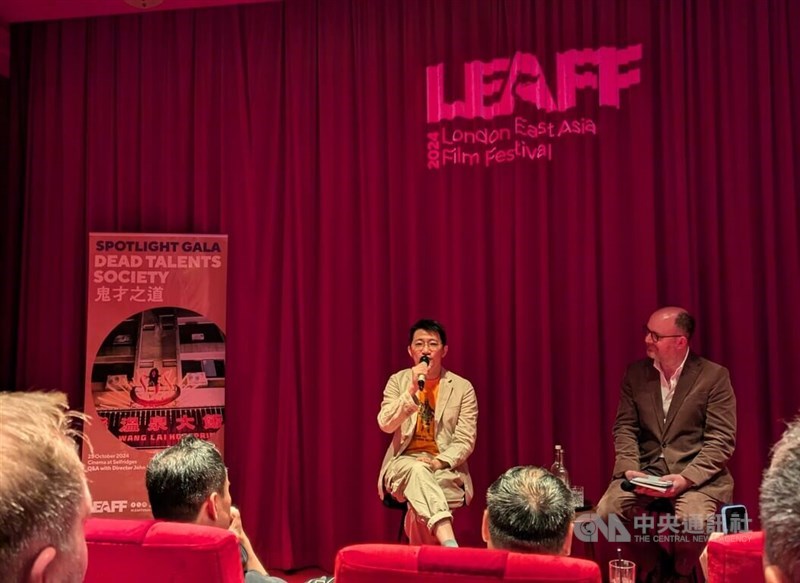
[{"x": 300, "y": 129}]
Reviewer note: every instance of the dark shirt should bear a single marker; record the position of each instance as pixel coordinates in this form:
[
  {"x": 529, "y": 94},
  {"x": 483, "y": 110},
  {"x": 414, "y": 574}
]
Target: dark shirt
[{"x": 255, "y": 576}]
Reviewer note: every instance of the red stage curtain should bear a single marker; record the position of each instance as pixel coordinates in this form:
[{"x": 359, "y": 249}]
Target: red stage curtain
[{"x": 299, "y": 129}]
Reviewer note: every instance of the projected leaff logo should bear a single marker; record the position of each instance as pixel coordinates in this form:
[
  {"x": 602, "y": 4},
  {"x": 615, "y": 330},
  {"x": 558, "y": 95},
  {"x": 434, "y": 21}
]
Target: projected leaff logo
[{"x": 525, "y": 113}]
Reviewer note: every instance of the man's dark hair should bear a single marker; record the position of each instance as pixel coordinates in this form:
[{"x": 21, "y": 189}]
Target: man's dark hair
[
  {"x": 180, "y": 478},
  {"x": 431, "y": 326},
  {"x": 779, "y": 504},
  {"x": 685, "y": 323},
  {"x": 530, "y": 511}
]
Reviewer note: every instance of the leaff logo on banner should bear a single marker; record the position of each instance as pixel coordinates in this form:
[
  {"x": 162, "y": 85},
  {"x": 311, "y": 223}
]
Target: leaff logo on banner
[
  {"x": 109, "y": 506},
  {"x": 493, "y": 90}
]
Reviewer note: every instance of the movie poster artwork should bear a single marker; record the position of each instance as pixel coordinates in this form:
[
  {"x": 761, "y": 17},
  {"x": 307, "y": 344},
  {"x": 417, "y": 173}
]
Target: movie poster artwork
[{"x": 155, "y": 356}]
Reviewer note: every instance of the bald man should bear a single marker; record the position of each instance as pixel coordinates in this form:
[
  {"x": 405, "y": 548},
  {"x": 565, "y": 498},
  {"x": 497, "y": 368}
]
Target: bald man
[{"x": 676, "y": 419}]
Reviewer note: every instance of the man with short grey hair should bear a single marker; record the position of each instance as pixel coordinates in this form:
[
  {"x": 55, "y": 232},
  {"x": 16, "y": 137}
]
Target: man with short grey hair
[
  {"x": 779, "y": 504},
  {"x": 44, "y": 499},
  {"x": 528, "y": 510}
]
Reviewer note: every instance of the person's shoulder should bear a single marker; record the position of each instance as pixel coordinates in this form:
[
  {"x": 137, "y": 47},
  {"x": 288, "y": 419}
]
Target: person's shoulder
[
  {"x": 456, "y": 379},
  {"x": 640, "y": 366},
  {"x": 705, "y": 364},
  {"x": 400, "y": 374}
]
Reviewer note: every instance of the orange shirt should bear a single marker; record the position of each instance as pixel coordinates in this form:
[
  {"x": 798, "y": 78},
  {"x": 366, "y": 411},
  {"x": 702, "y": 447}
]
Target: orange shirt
[{"x": 425, "y": 433}]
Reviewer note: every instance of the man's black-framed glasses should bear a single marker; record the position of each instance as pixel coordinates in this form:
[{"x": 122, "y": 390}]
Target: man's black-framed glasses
[
  {"x": 432, "y": 344},
  {"x": 655, "y": 336}
]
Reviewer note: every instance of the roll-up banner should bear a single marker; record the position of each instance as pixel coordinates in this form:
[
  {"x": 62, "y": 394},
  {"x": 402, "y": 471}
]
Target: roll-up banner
[{"x": 155, "y": 356}]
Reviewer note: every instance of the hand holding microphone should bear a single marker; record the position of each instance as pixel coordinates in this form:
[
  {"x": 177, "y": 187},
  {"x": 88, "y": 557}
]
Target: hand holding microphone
[{"x": 421, "y": 371}]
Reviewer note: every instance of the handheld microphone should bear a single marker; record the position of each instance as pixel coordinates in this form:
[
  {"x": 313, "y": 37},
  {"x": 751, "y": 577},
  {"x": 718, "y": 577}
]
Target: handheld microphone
[
  {"x": 627, "y": 485},
  {"x": 421, "y": 378}
]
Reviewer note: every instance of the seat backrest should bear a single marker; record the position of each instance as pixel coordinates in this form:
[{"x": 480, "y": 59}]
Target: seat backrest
[
  {"x": 400, "y": 564},
  {"x": 736, "y": 558},
  {"x": 131, "y": 551}
]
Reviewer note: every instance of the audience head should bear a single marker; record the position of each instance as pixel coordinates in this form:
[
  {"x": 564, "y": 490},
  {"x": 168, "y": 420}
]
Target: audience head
[
  {"x": 188, "y": 482},
  {"x": 44, "y": 500},
  {"x": 528, "y": 510},
  {"x": 779, "y": 505}
]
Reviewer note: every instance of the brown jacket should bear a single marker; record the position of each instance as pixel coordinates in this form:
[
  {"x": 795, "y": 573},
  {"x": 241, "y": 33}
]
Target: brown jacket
[{"x": 699, "y": 434}]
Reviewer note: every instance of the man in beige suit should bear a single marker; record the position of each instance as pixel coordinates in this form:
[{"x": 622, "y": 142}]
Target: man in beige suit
[
  {"x": 676, "y": 419},
  {"x": 432, "y": 415}
]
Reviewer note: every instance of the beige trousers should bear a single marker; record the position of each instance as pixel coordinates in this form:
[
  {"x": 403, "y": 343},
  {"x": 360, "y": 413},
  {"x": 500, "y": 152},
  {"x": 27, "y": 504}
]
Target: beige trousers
[{"x": 430, "y": 495}]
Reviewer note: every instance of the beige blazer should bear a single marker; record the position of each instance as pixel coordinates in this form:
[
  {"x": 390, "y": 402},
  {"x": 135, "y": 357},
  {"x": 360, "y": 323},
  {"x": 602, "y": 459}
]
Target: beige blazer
[
  {"x": 698, "y": 436},
  {"x": 456, "y": 418}
]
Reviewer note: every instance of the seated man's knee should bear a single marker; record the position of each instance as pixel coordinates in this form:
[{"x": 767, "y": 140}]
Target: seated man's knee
[
  {"x": 605, "y": 507},
  {"x": 420, "y": 472},
  {"x": 695, "y": 508},
  {"x": 620, "y": 503}
]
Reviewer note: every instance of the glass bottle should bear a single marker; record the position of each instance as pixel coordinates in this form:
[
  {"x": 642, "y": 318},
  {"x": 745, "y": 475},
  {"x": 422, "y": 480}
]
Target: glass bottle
[{"x": 558, "y": 469}]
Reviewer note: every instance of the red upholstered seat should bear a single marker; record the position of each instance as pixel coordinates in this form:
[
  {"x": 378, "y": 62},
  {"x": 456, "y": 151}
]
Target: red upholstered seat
[
  {"x": 132, "y": 551},
  {"x": 736, "y": 558},
  {"x": 400, "y": 563}
]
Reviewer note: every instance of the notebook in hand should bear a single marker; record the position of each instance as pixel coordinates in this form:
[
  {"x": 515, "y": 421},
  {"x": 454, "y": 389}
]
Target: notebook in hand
[{"x": 652, "y": 482}]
